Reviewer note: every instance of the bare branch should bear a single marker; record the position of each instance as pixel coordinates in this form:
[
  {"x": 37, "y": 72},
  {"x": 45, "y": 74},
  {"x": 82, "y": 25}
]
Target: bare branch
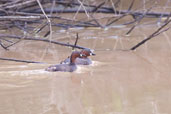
[
  {"x": 75, "y": 41},
  {"x": 40, "y": 39},
  {"x": 151, "y": 36},
  {"x": 17, "y": 60},
  {"x": 3, "y": 46}
]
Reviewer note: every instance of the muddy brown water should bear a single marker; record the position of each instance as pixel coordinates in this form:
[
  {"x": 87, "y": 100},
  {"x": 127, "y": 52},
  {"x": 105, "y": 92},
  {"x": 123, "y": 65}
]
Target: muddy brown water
[{"x": 118, "y": 82}]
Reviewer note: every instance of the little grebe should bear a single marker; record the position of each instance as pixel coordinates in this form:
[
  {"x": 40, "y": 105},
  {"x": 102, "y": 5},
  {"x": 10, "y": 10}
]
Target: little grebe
[
  {"x": 66, "y": 67},
  {"x": 83, "y": 60}
]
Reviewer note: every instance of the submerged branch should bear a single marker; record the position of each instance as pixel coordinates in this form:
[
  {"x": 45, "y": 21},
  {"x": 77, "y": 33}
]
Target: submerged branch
[
  {"x": 18, "y": 60},
  {"x": 40, "y": 39}
]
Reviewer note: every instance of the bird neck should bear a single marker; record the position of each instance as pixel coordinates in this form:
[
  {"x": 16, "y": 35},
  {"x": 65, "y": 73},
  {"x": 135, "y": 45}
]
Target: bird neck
[{"x": 72, "y": 60}]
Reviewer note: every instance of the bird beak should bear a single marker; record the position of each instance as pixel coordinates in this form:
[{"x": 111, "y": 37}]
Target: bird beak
[{"x": 92, "y": 54}]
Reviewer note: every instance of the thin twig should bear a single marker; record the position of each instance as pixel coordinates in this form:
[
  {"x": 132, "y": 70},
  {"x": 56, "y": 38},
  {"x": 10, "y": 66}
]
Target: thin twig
[
  {"x": 122, "y": 16},
  {"x": 41, "y": 28},
  {"x": 20, "y": 4},
  {"x": 48, "y": 20},
  {"x": 162, "y": 31},
  {"x": 47, "y": 33},
  {"x": 110, "y": 10},
  {"x": 19, "y": 17},
  {"x": 138, "y": 20},
  {"x": 75, "y": 44},
  {"x": 84, "y": 8},
  {"x": 151, "y": 36},
  {"x": 96, "y": 8},
  {"x": 95, "y": 20},
  {"x": 3, "y": 46},
  {"x": 13, "y": 44},
  {"x": 117, "y": 3}
]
